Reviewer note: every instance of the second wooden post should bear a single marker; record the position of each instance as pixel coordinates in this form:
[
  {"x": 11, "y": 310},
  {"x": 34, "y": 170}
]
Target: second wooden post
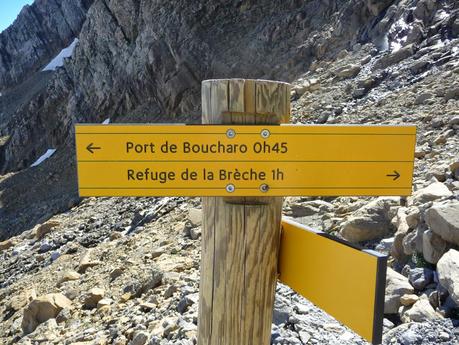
[{"x": 240, "y": 236}]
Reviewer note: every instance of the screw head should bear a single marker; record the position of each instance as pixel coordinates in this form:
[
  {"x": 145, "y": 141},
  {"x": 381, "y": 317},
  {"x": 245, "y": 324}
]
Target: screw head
[
  {"x": 265, "y": 133},
  {"x": 230, "y": 133},
  {"x": 264, "y": 188},
  {"x": 230, "y": 188}
]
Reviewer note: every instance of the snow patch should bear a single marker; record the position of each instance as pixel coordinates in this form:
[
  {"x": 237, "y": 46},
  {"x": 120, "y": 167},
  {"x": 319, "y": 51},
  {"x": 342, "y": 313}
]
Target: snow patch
[
  {"x": 58, "y": 61},
  {"x": 439, "y": 44},
  {"x": 396, "y": 46},
  {"x": 106, "y": 121},
  {"x": 44, "y": 157},
  {"x": 398, "y": 34},
  {"x": 401, "y": 25},
  {"x": 440, "y": 15}
]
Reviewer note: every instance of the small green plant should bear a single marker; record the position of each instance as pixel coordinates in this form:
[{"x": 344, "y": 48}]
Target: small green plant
[{"x": 421, "y": 262}]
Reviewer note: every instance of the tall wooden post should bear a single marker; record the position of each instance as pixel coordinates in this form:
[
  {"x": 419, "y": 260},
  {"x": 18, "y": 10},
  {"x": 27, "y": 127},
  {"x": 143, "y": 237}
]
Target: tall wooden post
[{"x": 240, "y": 237}]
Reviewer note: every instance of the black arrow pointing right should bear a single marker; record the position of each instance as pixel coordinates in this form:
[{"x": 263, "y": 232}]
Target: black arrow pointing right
[
  {"x": 395, "y": 175},
  {"x": 91, "y": 148}
]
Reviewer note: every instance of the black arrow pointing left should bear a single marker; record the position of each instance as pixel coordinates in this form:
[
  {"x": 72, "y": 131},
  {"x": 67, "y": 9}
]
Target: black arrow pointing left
[{"x": 91, "y": 148}]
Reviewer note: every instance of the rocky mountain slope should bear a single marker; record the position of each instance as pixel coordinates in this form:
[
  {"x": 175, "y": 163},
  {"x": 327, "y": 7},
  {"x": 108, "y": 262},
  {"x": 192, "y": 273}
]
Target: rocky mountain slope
[
  {"x": 128, "y": 67},
  {"x": 40, "y": 31},
  {"x": 126, "y": 270}
]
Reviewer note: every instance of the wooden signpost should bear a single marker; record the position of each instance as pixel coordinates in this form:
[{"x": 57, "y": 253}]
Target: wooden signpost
[{"x": 242, "y": 161}]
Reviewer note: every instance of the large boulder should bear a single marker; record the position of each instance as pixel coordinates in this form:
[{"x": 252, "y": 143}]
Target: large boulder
[
  {"x": 42, "y": 309},
  {"x": 195, "y": 216},
  {"x": 395, "y": 57},
  {"x": 348, "y": 71},
  {"x": 310, "y": 208},
  {"x": 448, "y": 273},
  {"x": 421, "y": 311},
  {"x": 421, "y": 277},
  {"x": 396, "y": 286},
  {"x": 370, "y": 222},
  {"x": 432, "y": 192},
  {"x": 93, "y": 297},
  {"x": 433, "y": 246},
  {"x": 306, "y": 86},
  {"x": 412, "y": 242},
  {"x": 443, "y": 219},
  {"x": 402, "y": 229}
]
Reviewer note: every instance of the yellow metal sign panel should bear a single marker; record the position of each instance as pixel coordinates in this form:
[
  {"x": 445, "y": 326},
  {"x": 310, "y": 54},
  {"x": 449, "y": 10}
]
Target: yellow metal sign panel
[
  {"x": 346, "y": 282},
  {"x": 160, "y": 160}
]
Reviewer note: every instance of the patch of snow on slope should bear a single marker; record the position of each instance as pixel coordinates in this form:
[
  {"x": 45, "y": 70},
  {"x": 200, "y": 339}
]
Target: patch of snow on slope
[
  {"x": 40, "y": 160},
  {"x": 398, "y": 33},
  {"x": 58, "y": 61}
]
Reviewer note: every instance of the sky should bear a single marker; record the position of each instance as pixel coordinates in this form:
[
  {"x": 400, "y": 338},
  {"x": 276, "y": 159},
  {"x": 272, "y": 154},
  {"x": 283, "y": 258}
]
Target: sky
[{"x": 9, "y": 10}]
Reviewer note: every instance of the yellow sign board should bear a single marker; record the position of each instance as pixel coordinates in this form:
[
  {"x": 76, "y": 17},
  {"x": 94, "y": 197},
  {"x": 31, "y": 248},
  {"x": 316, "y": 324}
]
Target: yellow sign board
[
  {"x": 346, "y": 282},
  {"x": 209, "y": 160}
]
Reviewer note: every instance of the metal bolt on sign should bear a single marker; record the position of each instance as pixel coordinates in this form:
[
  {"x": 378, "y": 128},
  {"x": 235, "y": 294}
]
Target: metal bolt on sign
[
  {"x": 264, "y": 188},
  {"x": 230, "y": 188},
  {"x": 230, "y": 133},
  {"x": 265, "y": 133}
]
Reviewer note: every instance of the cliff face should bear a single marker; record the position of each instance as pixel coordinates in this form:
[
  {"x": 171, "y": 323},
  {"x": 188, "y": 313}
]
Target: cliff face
[
  {"x": 41, "y": 30},
  {"x": 149, "y": 57}
]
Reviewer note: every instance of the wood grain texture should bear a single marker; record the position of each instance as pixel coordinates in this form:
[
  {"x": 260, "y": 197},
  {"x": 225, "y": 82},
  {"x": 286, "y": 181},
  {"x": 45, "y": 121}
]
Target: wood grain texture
[
  {"x": 208, "y": 241},
  {"x": 240, "y": 236}
]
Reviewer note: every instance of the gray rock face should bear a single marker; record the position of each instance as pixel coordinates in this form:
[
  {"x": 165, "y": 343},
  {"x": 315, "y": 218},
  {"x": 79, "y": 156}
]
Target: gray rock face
[
  {"x": 421, "y": 311},
  {"x": 448, "y": 273},
  {"x": 432, "y": 192},
  {"x": 147, "y": 59},
  {"x": 347, "y": 71},
  {"x": 433, "y": 246},
  {"x": 400, "y": 221},
  {"x": 41, "y": 30},
  {"x": 420, "y": 278},
  {"x": 443, "y": 220},
  {"x": 412, "y": 243},
  {"x": 396, "y": 286},
  {"x": 369, "y": 222},
  {"x": 143, "y": 58},
  {"x": 376, "y": 6},
  {"x": 393, "y": 58}
]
